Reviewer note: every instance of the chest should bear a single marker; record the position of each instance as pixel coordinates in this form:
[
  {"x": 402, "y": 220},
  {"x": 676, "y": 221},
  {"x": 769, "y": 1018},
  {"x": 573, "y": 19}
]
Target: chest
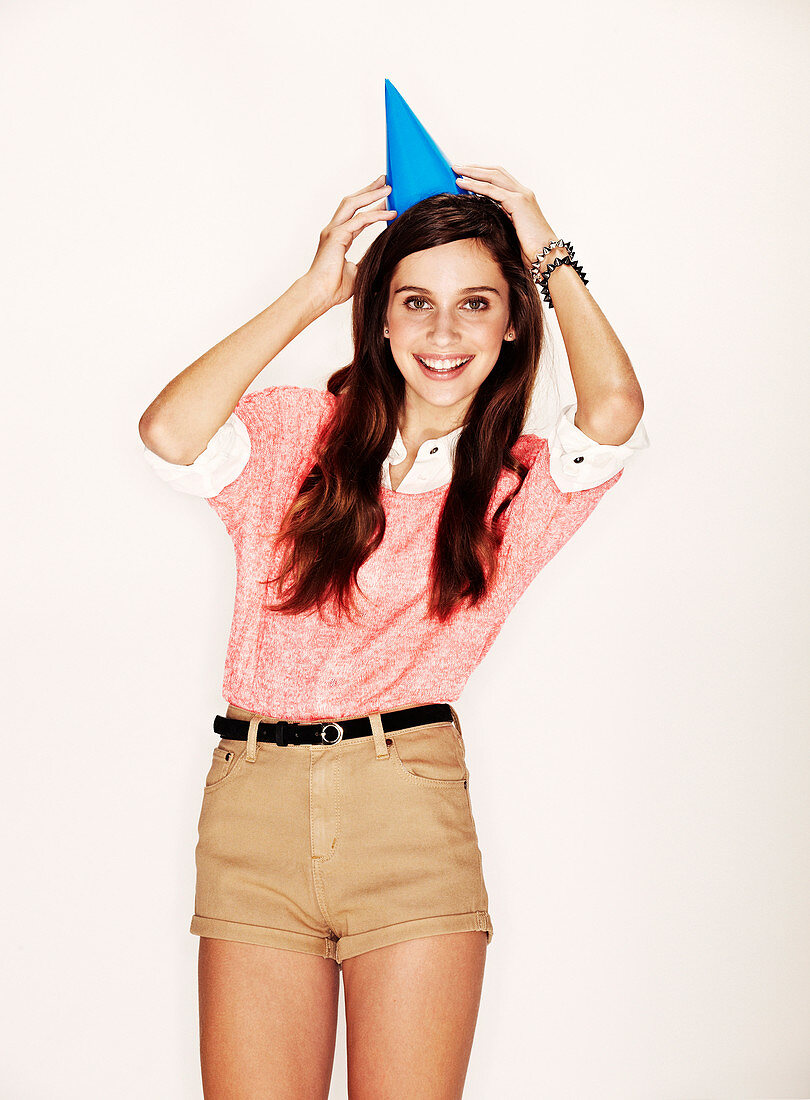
[{"x": 398, "y": 571}]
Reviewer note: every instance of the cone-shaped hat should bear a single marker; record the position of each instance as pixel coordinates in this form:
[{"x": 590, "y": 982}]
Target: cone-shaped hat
[{"x": 415, "y": 165}]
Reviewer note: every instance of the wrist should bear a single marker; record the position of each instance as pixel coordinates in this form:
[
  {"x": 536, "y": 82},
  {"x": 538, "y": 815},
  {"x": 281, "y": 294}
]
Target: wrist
[
  {"x": 311, "y": 297},
  {"x": 542, "y": 241}
]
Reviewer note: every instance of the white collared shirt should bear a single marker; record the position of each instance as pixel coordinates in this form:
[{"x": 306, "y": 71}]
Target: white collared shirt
[
  {"x": 575, "y": 460},
  {"x": 432, "y": 467}
]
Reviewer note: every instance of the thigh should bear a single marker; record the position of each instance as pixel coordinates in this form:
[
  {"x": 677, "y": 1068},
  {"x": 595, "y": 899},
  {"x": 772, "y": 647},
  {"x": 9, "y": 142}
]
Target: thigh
[
  {"x": 411, "y": 1010},
  {"x": 268, "y": 1020},
  {"x": 402, "y": 855}
]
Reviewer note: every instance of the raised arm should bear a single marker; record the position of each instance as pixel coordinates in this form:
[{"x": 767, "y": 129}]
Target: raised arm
[
  {"x": 185, "y": 415},
  {"x": 180, "y": 422}
]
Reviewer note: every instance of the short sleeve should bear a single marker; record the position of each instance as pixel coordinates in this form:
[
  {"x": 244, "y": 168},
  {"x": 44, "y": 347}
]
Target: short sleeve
[
  {"x": 542, "y": 518},
  {"x": 282, "y": 423},
  {"x": 220, "y": 463},
  {"x": 255, "y": 453},
  {"x": 577, "y": 462}
]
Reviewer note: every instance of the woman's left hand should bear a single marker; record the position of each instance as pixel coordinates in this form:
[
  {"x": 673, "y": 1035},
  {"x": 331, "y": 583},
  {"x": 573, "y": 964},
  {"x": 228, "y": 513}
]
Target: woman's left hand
[{"x": 517, "y": 201}]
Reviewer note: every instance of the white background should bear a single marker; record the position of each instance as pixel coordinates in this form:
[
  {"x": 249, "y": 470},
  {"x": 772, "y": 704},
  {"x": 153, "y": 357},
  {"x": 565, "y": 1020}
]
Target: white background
[{"x": 638, "y": 734}]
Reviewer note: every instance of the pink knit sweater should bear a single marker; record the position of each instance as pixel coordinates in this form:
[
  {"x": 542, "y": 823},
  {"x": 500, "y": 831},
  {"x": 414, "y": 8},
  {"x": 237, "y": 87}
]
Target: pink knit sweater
[{"x": 303, "y": 668}]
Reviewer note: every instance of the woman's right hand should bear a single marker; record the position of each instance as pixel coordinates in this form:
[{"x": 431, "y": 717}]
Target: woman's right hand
[{"x": 331, "y": 275}]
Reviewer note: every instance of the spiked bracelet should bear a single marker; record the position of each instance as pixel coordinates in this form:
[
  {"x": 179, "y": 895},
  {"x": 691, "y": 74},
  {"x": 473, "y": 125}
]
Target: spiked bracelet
[{"x": 542, "y": 280}]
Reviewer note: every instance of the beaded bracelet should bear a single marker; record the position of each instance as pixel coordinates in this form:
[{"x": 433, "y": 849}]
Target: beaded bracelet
[{"x": 542, "y": 280}]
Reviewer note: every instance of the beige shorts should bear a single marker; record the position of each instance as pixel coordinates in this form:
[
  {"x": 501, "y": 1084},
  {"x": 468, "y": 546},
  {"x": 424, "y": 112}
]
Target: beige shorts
[{"x": 339, "y": 849}]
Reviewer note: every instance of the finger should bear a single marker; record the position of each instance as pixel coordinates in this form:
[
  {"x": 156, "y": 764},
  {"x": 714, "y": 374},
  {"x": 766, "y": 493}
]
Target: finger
[
  {"x": 486, "y": 172},
  {"x": 374, "y": 208},
  {"x": 378, "y": 182},
  {"x": 503, "y": 195},
  {"x": 375, "y": 211},
  {"x": 379, "y": 215},
  {"x": 481, "y": 185},
  {"x": 352, "y": 203},
  {"x": 365, "y": 217},
  {"x": 485, "y": 169}
]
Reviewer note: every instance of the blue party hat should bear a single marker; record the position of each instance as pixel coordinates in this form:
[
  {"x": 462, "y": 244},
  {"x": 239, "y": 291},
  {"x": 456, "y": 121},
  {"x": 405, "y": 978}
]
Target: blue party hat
[{"x": 415, "y": 165}]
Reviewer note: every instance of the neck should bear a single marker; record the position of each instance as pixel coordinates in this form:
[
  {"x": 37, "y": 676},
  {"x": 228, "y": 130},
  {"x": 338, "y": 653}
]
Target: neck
[{"x": 420, "y": 421}]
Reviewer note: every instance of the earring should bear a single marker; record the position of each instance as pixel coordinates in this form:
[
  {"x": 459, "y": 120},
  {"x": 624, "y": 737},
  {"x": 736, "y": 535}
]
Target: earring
[
  {"x": 509, "y": 336},
  {"x": 385, "y": 331}
]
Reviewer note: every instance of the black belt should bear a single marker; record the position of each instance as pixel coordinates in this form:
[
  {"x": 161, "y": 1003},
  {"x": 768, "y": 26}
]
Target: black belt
[{"x": 326, "y": 732}]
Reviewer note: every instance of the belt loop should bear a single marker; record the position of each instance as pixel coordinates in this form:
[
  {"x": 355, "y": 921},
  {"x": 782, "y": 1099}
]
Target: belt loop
[
  {"x": 253, "y": 730},
  {"x": 380, "y": 746}
]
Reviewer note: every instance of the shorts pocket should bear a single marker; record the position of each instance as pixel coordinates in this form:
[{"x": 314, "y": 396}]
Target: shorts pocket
[
  {"x": 226, "y": 762},
  {"x": 431, "y": 754}
]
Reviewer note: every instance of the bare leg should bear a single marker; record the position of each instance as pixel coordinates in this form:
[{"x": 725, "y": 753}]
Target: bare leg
[
  {"x": 268, "y": 1021},
  {"x": 411, "y": 1011}
]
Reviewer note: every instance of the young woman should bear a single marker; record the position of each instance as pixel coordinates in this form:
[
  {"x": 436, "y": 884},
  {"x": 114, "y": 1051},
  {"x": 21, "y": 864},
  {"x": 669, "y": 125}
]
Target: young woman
[{"x": 383, "y": 530}]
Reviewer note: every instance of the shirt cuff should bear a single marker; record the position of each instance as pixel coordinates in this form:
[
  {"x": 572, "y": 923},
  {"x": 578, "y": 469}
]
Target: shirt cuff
[
  {"x": 222, "y": 461},
  {"x": 578, "y": 462}
]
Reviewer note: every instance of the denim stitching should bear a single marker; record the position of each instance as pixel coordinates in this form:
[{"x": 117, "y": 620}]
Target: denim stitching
[
  {"x": 319, "y": 893},
  {"x": 235, "y": 767},
  {"x": 325, "y": 859},
  {"x": 479, "y": 915},
  {"x": 261, "y": 927},
  {"x": 314, "y": 862},
  {"x": 478, "y": 845},
  {"x": 423, "y": 779}
]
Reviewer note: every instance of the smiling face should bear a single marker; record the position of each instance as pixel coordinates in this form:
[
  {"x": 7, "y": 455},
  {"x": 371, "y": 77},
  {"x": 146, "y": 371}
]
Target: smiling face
[{"x": 446, "y": 304}]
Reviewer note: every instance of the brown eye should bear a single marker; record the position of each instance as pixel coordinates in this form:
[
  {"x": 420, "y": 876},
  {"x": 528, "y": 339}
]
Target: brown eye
[{"x": 482, "y": 304}]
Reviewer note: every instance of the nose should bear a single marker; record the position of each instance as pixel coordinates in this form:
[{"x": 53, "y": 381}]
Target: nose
[{"x": 444, "y": 331}]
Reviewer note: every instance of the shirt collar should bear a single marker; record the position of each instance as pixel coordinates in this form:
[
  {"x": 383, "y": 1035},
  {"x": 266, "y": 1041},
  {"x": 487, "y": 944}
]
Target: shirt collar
[{"x": 446, "y": 445}]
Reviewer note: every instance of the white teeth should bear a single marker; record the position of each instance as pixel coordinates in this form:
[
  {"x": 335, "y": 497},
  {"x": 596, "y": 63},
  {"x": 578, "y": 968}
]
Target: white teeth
[{"x": 443, "y": 364}]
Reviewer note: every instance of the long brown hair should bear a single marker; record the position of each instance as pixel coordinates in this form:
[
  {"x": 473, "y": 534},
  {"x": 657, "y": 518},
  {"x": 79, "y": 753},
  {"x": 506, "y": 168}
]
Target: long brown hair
[{"x": 337, "y": 520}]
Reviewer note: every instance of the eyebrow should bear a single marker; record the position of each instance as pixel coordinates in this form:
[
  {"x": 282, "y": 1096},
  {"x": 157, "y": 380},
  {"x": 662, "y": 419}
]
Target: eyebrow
[{"x": 423, "y": 290}]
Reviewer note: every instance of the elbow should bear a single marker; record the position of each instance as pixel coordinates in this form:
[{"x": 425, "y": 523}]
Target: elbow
[
  {"x": 161, "y": 443},
  {"x": 614, "y": 422},
  {"x": 151, "y": 435},
  {"x": 146, "y": 429}
]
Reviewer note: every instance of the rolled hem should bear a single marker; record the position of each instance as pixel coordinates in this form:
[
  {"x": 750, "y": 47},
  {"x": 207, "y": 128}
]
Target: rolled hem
[
  {"x": 357, "y": 944},
  {"x": 263, "y": 936}
]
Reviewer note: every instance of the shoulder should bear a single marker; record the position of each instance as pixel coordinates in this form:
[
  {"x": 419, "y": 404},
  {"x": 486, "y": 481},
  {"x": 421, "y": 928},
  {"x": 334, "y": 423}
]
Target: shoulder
[
  {"x": 293, "y": 398},
  {"x": 570, "y": 476},
  {"x": 533, "y": 451},
  {"x": 287, "y": 409},
  {"x": 538, "y": 495},
  {"x": 529, "y": 447}
]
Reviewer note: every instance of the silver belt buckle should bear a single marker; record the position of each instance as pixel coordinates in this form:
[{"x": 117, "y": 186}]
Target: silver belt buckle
[{"x": 325, "y": 727}]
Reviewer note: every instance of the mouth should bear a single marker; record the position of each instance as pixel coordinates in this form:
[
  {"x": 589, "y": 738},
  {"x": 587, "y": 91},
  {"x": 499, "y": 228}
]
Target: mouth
[{"x": 443, "y": 366}]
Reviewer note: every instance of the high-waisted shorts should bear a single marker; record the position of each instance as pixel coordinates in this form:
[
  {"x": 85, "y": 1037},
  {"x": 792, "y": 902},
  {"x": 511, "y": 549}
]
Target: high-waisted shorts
[{"x": 339, "y": 849}]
